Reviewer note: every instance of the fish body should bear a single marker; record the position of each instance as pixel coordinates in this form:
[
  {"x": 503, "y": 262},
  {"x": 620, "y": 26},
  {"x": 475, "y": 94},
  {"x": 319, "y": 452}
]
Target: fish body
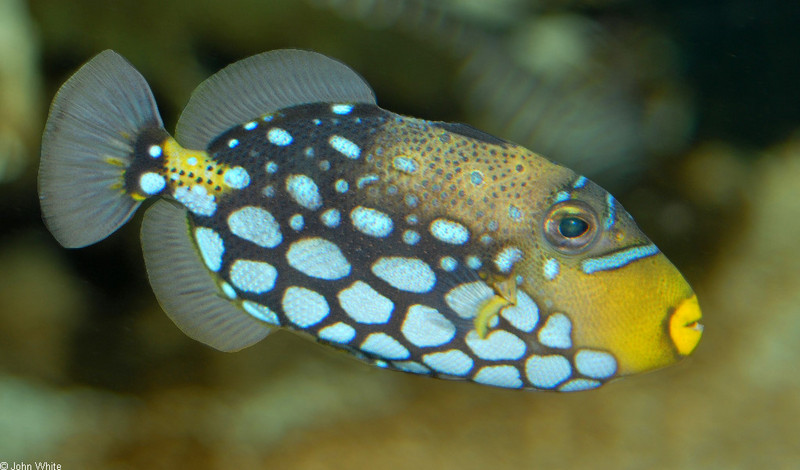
[{"x": 289, "y": 199}]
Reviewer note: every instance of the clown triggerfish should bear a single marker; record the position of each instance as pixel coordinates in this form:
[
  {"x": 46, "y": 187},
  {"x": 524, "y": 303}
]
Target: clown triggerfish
[{"x": 289, "y": 199}]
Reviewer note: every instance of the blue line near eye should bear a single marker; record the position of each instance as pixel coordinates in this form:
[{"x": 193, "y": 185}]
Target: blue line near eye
[
  {"x": 618, "y": 259},
  {"x": 612, "y": 212}
]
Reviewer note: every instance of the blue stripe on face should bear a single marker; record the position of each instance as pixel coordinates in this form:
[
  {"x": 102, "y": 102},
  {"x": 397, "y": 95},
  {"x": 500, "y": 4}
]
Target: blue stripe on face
[
  {"x": 618, "y": 259},
  {"x": 612, "y": 213}
]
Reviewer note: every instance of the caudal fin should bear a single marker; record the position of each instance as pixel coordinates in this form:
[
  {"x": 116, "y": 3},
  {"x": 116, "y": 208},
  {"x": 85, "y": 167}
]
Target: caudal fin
[{"x": 88, "y": 143}]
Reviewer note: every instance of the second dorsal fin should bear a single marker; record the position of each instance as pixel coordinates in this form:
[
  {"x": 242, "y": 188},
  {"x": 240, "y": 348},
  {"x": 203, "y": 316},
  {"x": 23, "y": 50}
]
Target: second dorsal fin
[{"x": 262, "y": 84}]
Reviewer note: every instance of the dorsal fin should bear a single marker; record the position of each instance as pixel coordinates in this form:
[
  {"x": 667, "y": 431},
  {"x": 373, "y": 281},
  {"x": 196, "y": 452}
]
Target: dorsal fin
[
  {"x": 185, "y": 288},
  {"x": 262, "y": 84}
]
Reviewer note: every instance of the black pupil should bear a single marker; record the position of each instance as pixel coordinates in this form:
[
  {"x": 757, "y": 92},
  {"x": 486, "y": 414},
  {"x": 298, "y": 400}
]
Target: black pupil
[{"x": 572, "y": 227}]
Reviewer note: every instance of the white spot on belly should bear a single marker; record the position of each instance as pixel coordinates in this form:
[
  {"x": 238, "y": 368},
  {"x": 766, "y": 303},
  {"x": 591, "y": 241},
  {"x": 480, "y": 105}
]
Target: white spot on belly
[
  {"x": 426, "y": 327},
  {"x": 344, "y": 146},
  {"x": 449, "y": 232},
  {"x": 499, "y": 376},
  {"x": 364, "y": 304},
  {"x": 371, "y": 222},
  {"x": 452, "y": 362},
  {"x": 577, "y": 385},
  {"x": 211, "y": 247},
  {"x": 304, "y": 307},
  {"x": 196, "y": 200},
  {"x": 506, "y": 259},
  {"x": 152, "y": 183},
  {"x": 228, "y": 290},
  {"x": 383, "y": 345},
  {"x": 407, "y": 274},
  {"x": 466, "y": 299},
  {"x": 256, "y": 225},
  {"x": 317, "y": 257},
  {"x": 555, "y": 332},
  {"x": 341, "y": 186},
  {"x": 236, "y": 177},
  {"x": 411, "y": 237},
  {"x": 337, "y": 333},
  {"x": 411, "y": 366},
  {"x": 497, "y": 346},
  {"x": 261, "y": 312},
  {"x": 278, "y": 136},
  {"x": 253, "y": 276},
  {"x": 547, "y": 371},
  {"x": 304, "y": 191},
  {"x": 595, "y": 364},
  {"x": 523, "y": 316},
  {"x": 448, "y": 263}
]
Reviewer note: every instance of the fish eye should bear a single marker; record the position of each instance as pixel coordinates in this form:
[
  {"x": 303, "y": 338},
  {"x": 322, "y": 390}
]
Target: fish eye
[{"x": 570, "y": 226}]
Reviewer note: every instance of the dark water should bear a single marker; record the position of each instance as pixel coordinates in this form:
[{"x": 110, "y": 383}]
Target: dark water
[{"x": 689, "y": 114}]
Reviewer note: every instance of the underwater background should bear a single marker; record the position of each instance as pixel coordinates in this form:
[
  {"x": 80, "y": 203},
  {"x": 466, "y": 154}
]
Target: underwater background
[{"x": 688, "y": 112}]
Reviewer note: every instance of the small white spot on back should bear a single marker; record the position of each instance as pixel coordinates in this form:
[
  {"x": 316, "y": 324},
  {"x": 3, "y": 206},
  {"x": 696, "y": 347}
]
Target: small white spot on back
[
  {"x": 280, "y": 137},
  {"x": 341, "y": 108},
  {"x": 196, "y": 200},
  {"x": 304, "y": 191},
  {"x": 236, "y": 177},
  {"x": 371, "y": 222},
  {"x": 344, "y": 146},
  {"x": 449, "y": 231},
  {"x": 261, "y": 312}
]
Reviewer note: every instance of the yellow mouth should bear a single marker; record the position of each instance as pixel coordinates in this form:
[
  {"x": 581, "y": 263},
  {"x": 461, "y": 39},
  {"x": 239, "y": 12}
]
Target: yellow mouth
[{"x": 684, "y": 327}]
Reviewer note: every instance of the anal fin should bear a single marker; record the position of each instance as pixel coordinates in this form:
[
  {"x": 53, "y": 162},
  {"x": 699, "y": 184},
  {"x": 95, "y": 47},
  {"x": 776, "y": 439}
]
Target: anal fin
[{"x": 185, "y": 288}]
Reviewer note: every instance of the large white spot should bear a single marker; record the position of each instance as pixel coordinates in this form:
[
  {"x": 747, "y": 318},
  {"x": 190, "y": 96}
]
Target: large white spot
[
  {"x": 407, "y": 274},
  {"x": 253, "y": 276},
  {"x": 152, "y": 183},
  {"x": 304, "y": 307},
  {"x": 524, "y": 315},
  {"x": 466, "y": 299},
  {"x": 371, "y": 222},
  {"x": 547, "y": 371},
  {"x": 304, "y": 191},
  {"x": 364, "y": 304},
  {"x": 498, "y": 345},
  {"x": 499, "y": 376},
  {"x": 197, "y": 200},
  {"x": 211, "y": 247},
  {"x": 452, "y": 362},
  {"x": 337, "y": 333},
  {"x": 278, "y": 136},
  {"x": 317, "y": 257},
  {"x": 261, "y": 312},
  {"x": 449, "y": 231},
  {"x": 383, "y": 345},
  {"x": 344, "y": 146},
  {"x": 555, "y": 332},
  {"x": 236, "y": 177},
  {"x": 411, "y": 366},
  {"x": 256, "y": 225},
  {"x": 595, "y": 364},
  {"x": 425, "y": 327},
  {"x": 577, "y": 385}
]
